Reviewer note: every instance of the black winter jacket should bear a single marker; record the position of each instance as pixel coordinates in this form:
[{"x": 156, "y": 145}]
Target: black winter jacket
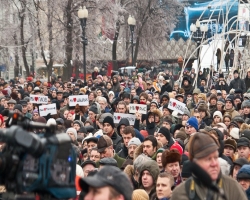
[{"x": 238, "y": 84}]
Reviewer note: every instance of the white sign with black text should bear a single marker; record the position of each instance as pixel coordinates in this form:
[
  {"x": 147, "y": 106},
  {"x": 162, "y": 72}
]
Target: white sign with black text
[
  {"x": 176, "y": 105},
  {"x": 38, "y": 99},
  {"x": 81, "y": 100},
  {"x": 44, "y": 110},
  {"x": 140, "y": 108},
  {"x": 119, "y": 116}
]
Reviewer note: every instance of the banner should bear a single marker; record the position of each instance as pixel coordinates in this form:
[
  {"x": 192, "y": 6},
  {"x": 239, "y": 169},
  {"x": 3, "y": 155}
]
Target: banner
[
  {"x": 176, "y": 105},
  {"x": 82, "y": 100},
  {"x": 119, "y": 116},
  {"x": 140, "y": 108},
  {"x": 38, "y": 99},
  {"x": 44, "y": 110}
]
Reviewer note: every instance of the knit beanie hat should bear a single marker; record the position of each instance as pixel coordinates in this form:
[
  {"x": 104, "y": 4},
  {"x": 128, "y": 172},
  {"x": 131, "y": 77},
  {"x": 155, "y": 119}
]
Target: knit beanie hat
[
  {"x": 164, "y": 131},
  {"x": 244, "y": 172},
  {"x": 93, "y": 109},
  {"x": 140, "y": 194},
  {"x": 201, "y": 145},
  {"x": 78, "y": 122},
  {"x": 41, "y": 120},
  {"x": 221, "y": 101},
  {"x": 109, "y": 120},
  {"x": 72, "y": 130},
  {"x": 178, "y": 147},
  {"x": 234, "y": 133},
  {"x": 192, "y": 121},
  {"x": 218, "y": 113},
  {"x": 229, "y": 99}
]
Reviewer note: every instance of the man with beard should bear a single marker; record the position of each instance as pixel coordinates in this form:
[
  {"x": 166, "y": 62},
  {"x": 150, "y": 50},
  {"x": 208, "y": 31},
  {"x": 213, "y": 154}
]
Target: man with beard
[
  {"x": 132, "y": 145},
  {"x": 150, "y": 146}
]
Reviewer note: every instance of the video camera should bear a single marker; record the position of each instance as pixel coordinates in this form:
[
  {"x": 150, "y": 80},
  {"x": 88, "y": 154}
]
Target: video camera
[{"x": 30, "y": 164}]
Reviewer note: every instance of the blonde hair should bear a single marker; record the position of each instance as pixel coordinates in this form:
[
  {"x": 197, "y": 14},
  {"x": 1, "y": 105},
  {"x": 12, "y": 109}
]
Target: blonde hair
[{"x": 96, "y": 69}]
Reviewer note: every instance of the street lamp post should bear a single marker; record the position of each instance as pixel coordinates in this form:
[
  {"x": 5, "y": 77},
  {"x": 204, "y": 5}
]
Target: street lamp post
[
  {"x": 131, "y": 23},
  {"x": 83, "y": 16},
  {"x": 199, "y": 32}
]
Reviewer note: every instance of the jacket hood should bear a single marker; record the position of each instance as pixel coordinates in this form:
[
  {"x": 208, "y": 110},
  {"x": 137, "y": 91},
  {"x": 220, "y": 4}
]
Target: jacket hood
[
  {"x": 152, "y": 167},
  {"x": 139, "y": 149},
  {"x": 123, "y": 121}
]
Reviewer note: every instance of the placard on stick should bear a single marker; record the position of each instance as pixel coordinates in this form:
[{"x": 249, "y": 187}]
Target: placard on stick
[
  {"x": 140, "y": 108},
  {"x": 81, "y": 100}
]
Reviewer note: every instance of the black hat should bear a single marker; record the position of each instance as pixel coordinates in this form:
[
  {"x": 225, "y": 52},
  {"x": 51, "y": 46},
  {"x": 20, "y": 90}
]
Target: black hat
[
  {"x": 221, "y": 75},
  {"x": 82, "y": 130},
  {"x": 23, "y": 102},
  {"x": 109, "y": 176},
  {"x": 86, "y": 162},
  {"x": 246, "y": 134},
  {"x": 243, "y": 142},
  {"x": 60, "y": 121},
  {"x": 186, "y": 172},
  {"x": 108, "y": 161},
  {"x": 241, "y": 162},
  {"x": 229, "y": 99},
  {"x": 89, "y": 129},
  {"x": 93, "y": 109},
  {"x": 18, "y": 107},
  {"x": 109, "y": 120},
  {"x": 164, "y": 131},
  {"x": 236, "y": 71},
  {"x": 238, "y": 91},
  {"x": 92, "y": 139}
]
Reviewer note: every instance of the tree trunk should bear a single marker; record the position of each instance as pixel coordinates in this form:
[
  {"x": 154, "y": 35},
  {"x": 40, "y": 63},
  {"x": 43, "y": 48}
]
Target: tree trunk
[
  {"x": 67, "y": 70},
  {"x": 23, "y": 43},
  {"x": 50, "y": 28},
  {"x": 114, "y": 46},
  {"x": 16, "y": 68}
]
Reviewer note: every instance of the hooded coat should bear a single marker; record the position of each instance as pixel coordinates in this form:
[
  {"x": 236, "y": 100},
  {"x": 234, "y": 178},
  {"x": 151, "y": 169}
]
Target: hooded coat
[
  {"x": 152, "y": 167},
  {"x": 116, "y": 86}
]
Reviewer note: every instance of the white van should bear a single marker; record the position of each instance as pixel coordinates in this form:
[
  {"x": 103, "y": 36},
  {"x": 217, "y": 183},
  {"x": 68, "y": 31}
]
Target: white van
[{"x": 128, "y": 68}]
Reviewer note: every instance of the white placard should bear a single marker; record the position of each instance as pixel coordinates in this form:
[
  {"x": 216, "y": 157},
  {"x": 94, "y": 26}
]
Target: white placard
[
  {"x": 38, "y": 99},
  {"x": 81, "y": 100},
  {"x": 140, "y": 108},
  {"x": 176, "y": 105},
  {"x": 119, "y": 116},
  {"x": 44, "y": 110}
]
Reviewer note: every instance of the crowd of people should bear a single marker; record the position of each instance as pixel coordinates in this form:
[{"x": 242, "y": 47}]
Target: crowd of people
[{"x": 201, "y": 152}]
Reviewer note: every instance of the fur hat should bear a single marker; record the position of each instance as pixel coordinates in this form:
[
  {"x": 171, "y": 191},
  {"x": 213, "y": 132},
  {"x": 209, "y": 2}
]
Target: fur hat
[
  {"x": 245, "y": 104},
  {"x": 203, "y": 108},
  {"x": 157, "y": 112},
  {"x": 202, "y": 96},
  {"x": 170, "y": 156},
  {"x": 230, "y": 143},
  {"x": 140, "y": 194},
  {"x": 213, "y": 96}
]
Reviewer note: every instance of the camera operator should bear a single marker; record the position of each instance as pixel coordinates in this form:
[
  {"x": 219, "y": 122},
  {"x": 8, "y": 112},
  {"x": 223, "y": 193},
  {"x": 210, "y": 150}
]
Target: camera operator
[{"x": 221, "y": 84}]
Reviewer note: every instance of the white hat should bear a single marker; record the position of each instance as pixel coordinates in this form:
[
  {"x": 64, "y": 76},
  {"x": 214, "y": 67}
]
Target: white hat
[
  {"x": 161, "y": 78},
  {"x": 134, "y": 141},
  {"x": 234, "y": 133},
  {"x": 51, "y": 121},
  {"x": 218, "y": 113}
]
